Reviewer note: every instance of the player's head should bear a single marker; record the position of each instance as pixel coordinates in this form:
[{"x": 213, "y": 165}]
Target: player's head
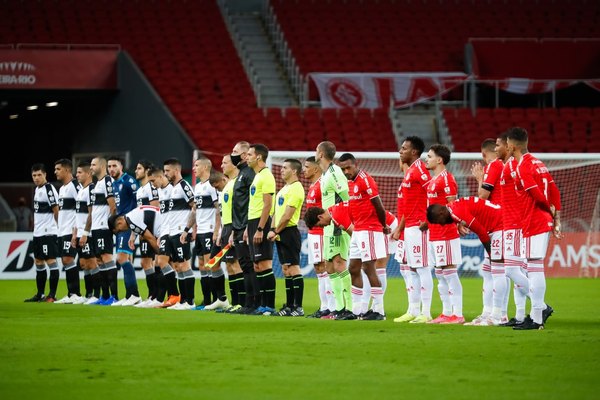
[
  {"x": 347, "y": 163},
  {"x": 311, "y": 169},
  {"x": 117, "y": 223},
  {"x": 257, "y": 155},
  {"x": 290, "y": 170},
  {"x": 115, "y": 166},
  {"x": 156, "y": 176},
  {"x": 240, "y": 152},
  {"x": 411, "y": 149},
  {"x": 202, "y": 166},
  {"x": 217, "y": 179},
  {"x": 38, "y": 174},
  {"x": 438, "y": 156},
  {"x": 98, "y": 166},
  {"x": 439, "y": 214},
  {"x": 517, "y": 139},
  {"x": 488, "y": 150},
  {"x": 141, "y": 169},
  {"x": 325, "y": 151},
  {"x": 316, "y": 216},
  {"x": 227, "y": 165},
  {"x": 83, "y": 174},
  {"x": 63, "y": 169},
  {"x": 172, "y": 169},
  {"x": 502, "y": 146}
]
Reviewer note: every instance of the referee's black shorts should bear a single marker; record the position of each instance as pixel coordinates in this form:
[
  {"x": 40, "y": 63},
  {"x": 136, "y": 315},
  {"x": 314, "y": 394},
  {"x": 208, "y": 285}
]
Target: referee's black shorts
[
  {"x": 264, "y": 250},
  {"x": 289, "y": 246}
]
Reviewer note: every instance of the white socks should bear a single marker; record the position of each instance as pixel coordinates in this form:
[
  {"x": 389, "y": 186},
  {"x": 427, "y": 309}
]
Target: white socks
[
  {"x": 426, "y": 290},
  {"x": 500, "y": 289},
  {"x": 488, "y": 288},
  {"x": 537, "y": 288},
  {"x": 444, "y": 292},
  {"x": 455, "y": 291},
  {"x": 414, "y": 294}
]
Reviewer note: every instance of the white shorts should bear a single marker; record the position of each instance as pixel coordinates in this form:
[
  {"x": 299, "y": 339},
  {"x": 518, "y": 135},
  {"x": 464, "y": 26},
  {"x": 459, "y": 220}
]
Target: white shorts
[
  {"x": 416, "y": 247},
  {"x": 368, "y": 245},
  {"x": 392, "y": 244},
  {"x": 496, "y": 245},
  {"x": 512, "y": 242},
  {"x": 315, "y": 249},
  {"x": 446, "y": 252},
  {"x": 535, "y": 247},
  {"x": 400, "y": 255}
]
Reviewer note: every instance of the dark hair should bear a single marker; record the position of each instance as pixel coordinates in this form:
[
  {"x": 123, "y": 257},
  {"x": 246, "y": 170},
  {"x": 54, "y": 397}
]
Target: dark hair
[
  {"x": 154, "y": 169},
  {"x": 295, "y": 165},
  {"x": 84, "y": 164},
  {"x": 517, "y": 134},
  {"x": 64, "y": 162},
  {"x": 432, "y": 213},
  {"x": 172, "y": 161},
  {"x": 215, "y": 177},
  {"x": 346, "y": 157},
  {"x": 261, "y": 149},
  {"x": 146, "y": 164},
  {"x": 311, "y": 159},
  {"x": 116, "y": 158},
  {"x": 442, "y": 151},
  {"x": 38, "y": 167},
  {"x": 311, "y": 216},
  {"x": 112, "y": 222},
  {"x": 416, "y": 143},
  {"x": 488, "y": 144},
  {"x": 503, "y": 136},
  {"x": 328, "y": 148}
]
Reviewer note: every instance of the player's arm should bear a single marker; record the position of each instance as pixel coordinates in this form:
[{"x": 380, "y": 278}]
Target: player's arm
[
  {"x": 88, "y": 226},
  {"x": 131, "y": 241},
  {"x": 530, "y": 186},
  {"x": 189, "y": 225},
  {"x": 150, "y": 238},
  {"x": 112, "y": 205},
  {"x": 285, "y": 219},
  {"x": 380, "y": 210},
  {"x": 555, "y": 206},
  {"x": 399, "y": 228},
  {"x": 264, "y": 215},
  {"x": 217, "y": 230},
  {"x": 481, "y": 233}
]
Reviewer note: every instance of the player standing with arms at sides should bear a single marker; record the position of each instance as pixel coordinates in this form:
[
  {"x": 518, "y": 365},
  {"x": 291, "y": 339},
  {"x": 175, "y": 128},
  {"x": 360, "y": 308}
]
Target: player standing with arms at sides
[
  {"x": 67, "y": 195},
  {"x": 444, "y": 241},
  {"x": 541, "y": 212},
  {"x": 313, "y": 173},
  {"x": 285, "y": 233},
  {"x": 416, "y": 236},
  {"x": 87, "y": 260},
  {"x": 239, "y": 222},
  {"x": 512, "y": 219},
  {"x": 180, "y": 208},
  {"x": 368, "y": 242},
  {"x": 260, "y": 207},
  {"x": 96, "y": 230},
  {"x": 45, "y": 231},
  {"x": 334, "y": 189},
  {"x": 224, "y": 185},
  {"x": 125, "y": 188},
  {"x": 146, "y": 195},
  {"x": 495, "y": 284},
  {"x": 167, "y": 280}
]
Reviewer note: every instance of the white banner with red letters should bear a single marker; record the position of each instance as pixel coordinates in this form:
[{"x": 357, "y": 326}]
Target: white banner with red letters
[{"x": 375, "y": 90}]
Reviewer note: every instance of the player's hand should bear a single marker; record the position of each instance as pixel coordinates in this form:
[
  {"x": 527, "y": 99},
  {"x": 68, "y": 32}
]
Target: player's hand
[
  {"x": 477, "y": 170},
  {"x": 271, "y": 236},
  {"x": 131, "y": 243},
  {"x": 245, "y": 235},
  {"x": 556, "y": 229},
  {"x": 258, "y": 238},
  {"x": 83, "y": 241},
  {"x": 423, "y": 226},
  {"x": 396, "y": 233},
  {"x": 387, "y": 230},
  {"x": 183, "y": 237},
  {"x": 463, "y": 230},
  {"x": 230, "y": 241}
]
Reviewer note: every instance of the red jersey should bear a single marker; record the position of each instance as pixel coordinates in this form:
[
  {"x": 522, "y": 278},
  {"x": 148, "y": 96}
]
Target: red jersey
[
  {"x": 340, "y": 215},
  {"x": 414, "y": 193},
  {"x": 389, "y": 218},
  {"x": 361, "y": 190},
  {"x": 510, "y": 199},
  {"x": 480, "y": 216},
  {"x": 491, "y": 180},
  {"x": 441, "y": 187},
  {"x": 540, "y": 192},
  {"x": 313, "y": 199}
]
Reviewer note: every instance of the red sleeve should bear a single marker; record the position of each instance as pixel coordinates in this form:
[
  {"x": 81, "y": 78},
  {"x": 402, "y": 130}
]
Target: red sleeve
[
  {"x": 539, "y": 198},
  {"x": 554, "y": 195},
  {"x": 480, "y": 231},
  {"x": 370, "y": 186}
]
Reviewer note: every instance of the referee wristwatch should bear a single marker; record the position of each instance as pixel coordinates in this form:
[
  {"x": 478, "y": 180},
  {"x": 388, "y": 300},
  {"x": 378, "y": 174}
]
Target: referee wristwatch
[{"x": 259, "y": 229}]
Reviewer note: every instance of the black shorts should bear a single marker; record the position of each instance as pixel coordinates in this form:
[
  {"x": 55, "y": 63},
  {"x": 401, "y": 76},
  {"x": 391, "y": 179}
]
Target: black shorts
[
  {"x": 102, "y": 242},
  {"x": 164, "y": 246},
  {"x": 241, "y": 247},
  {"x": 146, "y": 249},
  {"x": 289, "y": 246},
  {"x": 85, "y": 252},
  {"x": 180, "y": 252},
  {"x": 263, "y": 251},
  {"x": 226, "y": 232},
  {"x": 45, "y": 247},
  {"x": 203, "y": 244},
  {"x": 65, "y": 248}
]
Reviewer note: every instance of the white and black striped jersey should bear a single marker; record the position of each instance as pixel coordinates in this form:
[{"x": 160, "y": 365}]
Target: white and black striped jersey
[
  {"x": 67, "y": 198},
  {"x": 164, "y": 197},
  {"x": 100, "y": 208},
  {"x": 82, "y": 204},
  {"x": 145, "y": 217},
  {"x": 205, "y": 196},
  {"x": 44, "y": 199},
  {"x": 179, "y": 207},
  {"x": 146, "y": 194}
]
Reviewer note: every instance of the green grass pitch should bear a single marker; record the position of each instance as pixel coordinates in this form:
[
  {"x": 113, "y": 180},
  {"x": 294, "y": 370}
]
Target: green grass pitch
[{"x": 50, "y": 351}]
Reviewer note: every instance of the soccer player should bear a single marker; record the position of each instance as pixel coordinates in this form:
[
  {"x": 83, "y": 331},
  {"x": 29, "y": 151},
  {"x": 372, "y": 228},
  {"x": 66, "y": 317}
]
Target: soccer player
[
  {"x": 368, "y": 242},
  {"x": 167, "y": 281},
  {"x": 313, "y": 173},
  {"x": 334, "y": 189},
  {"x": 495, "y": 284},
  {"x": 224, "y": 183},
  {"x": 146, "y": 195},
  {"x": 416, "y": 235},
  {"x": 145, "y": 221},
  {"x": 285, "y": 233},
  {"x": 87, "y": 260},
  {"x": 260, "y": 207},
  {"x": 67, "y": 195},
  {"x": 541, "y": 210},
  {"x": 180, "y": 209},
  {"x": 444, "y": 241},
  {"x": 103, "y": 206},
  {"x": 239, "y": 221},
  {"x": 125, "y": 187},
  {"x": 45, "y": 231}
]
